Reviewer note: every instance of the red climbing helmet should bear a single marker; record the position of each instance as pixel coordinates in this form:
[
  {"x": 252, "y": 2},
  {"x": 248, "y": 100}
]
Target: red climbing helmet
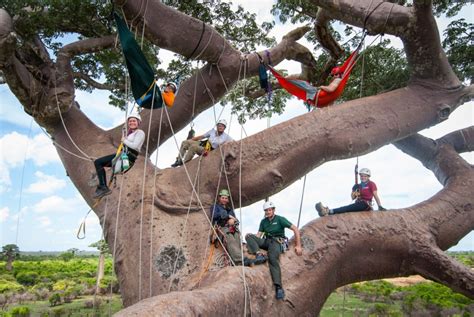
[{"x": 336, "y": 71}]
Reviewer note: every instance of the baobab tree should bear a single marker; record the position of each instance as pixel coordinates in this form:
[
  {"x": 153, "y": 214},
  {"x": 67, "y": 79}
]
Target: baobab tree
[
  {"x": 158, "y": 258},
  {"x": 10, "y": 252}
]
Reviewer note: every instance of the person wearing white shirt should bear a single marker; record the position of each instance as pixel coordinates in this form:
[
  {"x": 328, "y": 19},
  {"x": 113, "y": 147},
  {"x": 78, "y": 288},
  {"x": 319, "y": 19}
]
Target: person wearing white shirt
[
  {"x": 190, "y": 147},
  {"x": 132, "y": 145}
]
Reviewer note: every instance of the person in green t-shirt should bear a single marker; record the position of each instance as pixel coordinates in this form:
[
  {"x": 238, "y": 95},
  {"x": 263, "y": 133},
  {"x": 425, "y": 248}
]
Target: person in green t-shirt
[{"x": 273, "y": 227}]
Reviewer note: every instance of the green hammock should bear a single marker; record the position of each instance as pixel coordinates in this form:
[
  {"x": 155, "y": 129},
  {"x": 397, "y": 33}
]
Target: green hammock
[{"x": 141, "y": 74}]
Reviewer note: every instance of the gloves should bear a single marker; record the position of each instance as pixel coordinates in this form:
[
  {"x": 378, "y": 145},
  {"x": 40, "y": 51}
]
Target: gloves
[
  {"x": 355, "y": 194},
  {"x": 382, "y": 209}
]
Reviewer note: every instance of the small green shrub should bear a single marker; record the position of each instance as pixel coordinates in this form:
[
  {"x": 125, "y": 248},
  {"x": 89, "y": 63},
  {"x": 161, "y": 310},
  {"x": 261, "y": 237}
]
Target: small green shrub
[
  {"x": 20, "y": 311},
  {"x": 376, "y": 288},
  {"x": 27, "y": 278},
  {"x": 7, "y": 277},
  {"x": 54, "y": 299},
  {"x": 434, "y": 298},
  {"x": 10, "y": 286}
]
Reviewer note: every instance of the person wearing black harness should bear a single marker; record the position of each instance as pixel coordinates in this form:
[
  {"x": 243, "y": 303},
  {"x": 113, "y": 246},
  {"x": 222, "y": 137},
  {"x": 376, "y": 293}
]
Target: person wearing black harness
[
  {"x": 225, "y": 222},
  {"x": 223, "y": 217},
  {"x": 132, "y": 144},
  {"x": 273, "y": 228}
]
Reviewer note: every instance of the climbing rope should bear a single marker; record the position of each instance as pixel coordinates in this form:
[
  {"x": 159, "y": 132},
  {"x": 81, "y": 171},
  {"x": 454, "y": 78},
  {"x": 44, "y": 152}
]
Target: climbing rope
[
  {"x": 184, "y": 226},
  {"x": 65, "y": 128},
  {"x": 191, "y": 183},
  {"x": 301, "y": 201},
  {"x": 153, "y": 205},
  {"x": 142, "y": 199},
  {"x": 21, "y": 182}
]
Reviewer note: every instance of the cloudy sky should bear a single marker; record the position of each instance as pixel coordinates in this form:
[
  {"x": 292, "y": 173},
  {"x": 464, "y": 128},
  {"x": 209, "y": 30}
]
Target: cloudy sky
[{"x": 40, "y": 209}]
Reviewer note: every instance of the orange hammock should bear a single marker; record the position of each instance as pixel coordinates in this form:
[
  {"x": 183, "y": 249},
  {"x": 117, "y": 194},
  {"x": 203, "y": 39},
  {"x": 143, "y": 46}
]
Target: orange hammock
[{"x": 312, "y": 95}]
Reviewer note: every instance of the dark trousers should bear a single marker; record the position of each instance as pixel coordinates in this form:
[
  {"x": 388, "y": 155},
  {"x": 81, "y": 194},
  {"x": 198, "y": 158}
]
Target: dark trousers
[
  {"x": 359, "y": 205},
  {"x": 255, "y": 243},
  {"x": 100, "y": 163}
]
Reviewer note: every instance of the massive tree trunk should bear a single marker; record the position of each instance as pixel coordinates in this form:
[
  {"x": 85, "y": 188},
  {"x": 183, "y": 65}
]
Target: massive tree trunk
[{"x": 158, "y": 230}]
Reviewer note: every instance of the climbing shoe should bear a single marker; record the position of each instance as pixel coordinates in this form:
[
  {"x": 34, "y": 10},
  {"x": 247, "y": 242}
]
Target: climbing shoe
[
  {"x": 248, "y": 262},
  {"x": 177, "y": 163},
  {"x": 279, "y": 293},
  {"x": 322, "y": 210},
  {"x": 260, "y": 259},
  {"x": 102, "y": 191}
]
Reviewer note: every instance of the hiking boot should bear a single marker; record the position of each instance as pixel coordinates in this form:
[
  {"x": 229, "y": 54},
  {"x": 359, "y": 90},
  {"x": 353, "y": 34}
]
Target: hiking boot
[
  {"x": 177, "y": 163},
  {"x": 322, "y": 210},
  {"x": 248, "y": 262},
  {"x": 260, "y": 259},
  {"x": 102, "y": 191},
  {"x": 279, "y": 293}
]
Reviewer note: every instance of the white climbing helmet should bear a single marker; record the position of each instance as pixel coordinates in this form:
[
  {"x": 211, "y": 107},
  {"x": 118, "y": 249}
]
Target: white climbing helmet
[
  {"x": 223, "y": 122},
  {"x": 268, "y": 204},
  {"x": 172, "y": 84},
  {"x": 364, "y": 171},
  {"x": 134, "y": 115}
]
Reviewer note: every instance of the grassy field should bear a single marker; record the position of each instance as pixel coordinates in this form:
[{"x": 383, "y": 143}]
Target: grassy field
[
  {"x": 340, "y": 304},
  {"x": 81, "y": 307},
  {"x": 62, "y": 286}
]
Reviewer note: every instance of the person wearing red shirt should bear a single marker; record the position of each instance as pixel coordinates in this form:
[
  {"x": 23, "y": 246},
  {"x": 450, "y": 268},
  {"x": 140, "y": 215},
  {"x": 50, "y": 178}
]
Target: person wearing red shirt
[{"x": 363, "y": 194}]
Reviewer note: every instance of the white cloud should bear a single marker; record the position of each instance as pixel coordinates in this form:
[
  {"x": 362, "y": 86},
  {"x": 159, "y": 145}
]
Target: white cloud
[
  {"x": 44, "y": 221},
  {"x": 46, "y": 184},
  {"x": 57, "y": 204},
  {"x": 16, "y": 148},
  {"x": 5, "y": 181},
  {"x": 4, "y": 214},
  {"x": 12, "y": 148},
  {"x": 13, "y": 113},
  {"x": 42, "y": 151}
]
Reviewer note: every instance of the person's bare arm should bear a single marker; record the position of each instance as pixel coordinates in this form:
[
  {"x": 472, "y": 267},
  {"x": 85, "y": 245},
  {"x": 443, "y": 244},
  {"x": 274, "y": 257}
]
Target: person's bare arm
[
  {"x": 298, "y": 249},
  {"x": 198, "y": 137},
  {"x": 332, "y": 86},
  {"x": 377, "y": 200}
]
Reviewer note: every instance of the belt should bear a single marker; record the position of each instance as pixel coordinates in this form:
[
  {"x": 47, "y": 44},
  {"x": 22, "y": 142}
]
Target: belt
[{"x": 132, "y": 154}]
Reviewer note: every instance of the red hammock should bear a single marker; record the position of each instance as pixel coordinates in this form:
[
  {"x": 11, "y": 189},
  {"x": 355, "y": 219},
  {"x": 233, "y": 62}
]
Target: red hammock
[{"x": 312, "y": 95}]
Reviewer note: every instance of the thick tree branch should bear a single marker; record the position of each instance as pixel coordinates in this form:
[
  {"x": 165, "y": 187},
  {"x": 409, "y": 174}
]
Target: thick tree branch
[
  {"x": 462, "y": 140},
  {"x": 383, "y": 245},
  {"x": 437, "y": 266},
  {"x": 315, "y": 138},
  {"x": 42, "y": 51},
  {"x": 21, "y": 82},
  {"x": 415, "y": 26},
  {"x": 88, "y": 45},
  {"x": 427, "y": 150},
  {"x": 449, "y": 168},
  {"x": 386, "y": 18},
  {"x": 214, "y": 81},
  {"x": 62, "y": 92},
  {"x": 324, "y": 36}
]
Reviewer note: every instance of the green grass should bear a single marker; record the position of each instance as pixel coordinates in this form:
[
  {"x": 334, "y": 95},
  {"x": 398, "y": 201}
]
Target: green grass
[
  {"x": 77, "y": 308},
  {"x": 350, "y": 305}
]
